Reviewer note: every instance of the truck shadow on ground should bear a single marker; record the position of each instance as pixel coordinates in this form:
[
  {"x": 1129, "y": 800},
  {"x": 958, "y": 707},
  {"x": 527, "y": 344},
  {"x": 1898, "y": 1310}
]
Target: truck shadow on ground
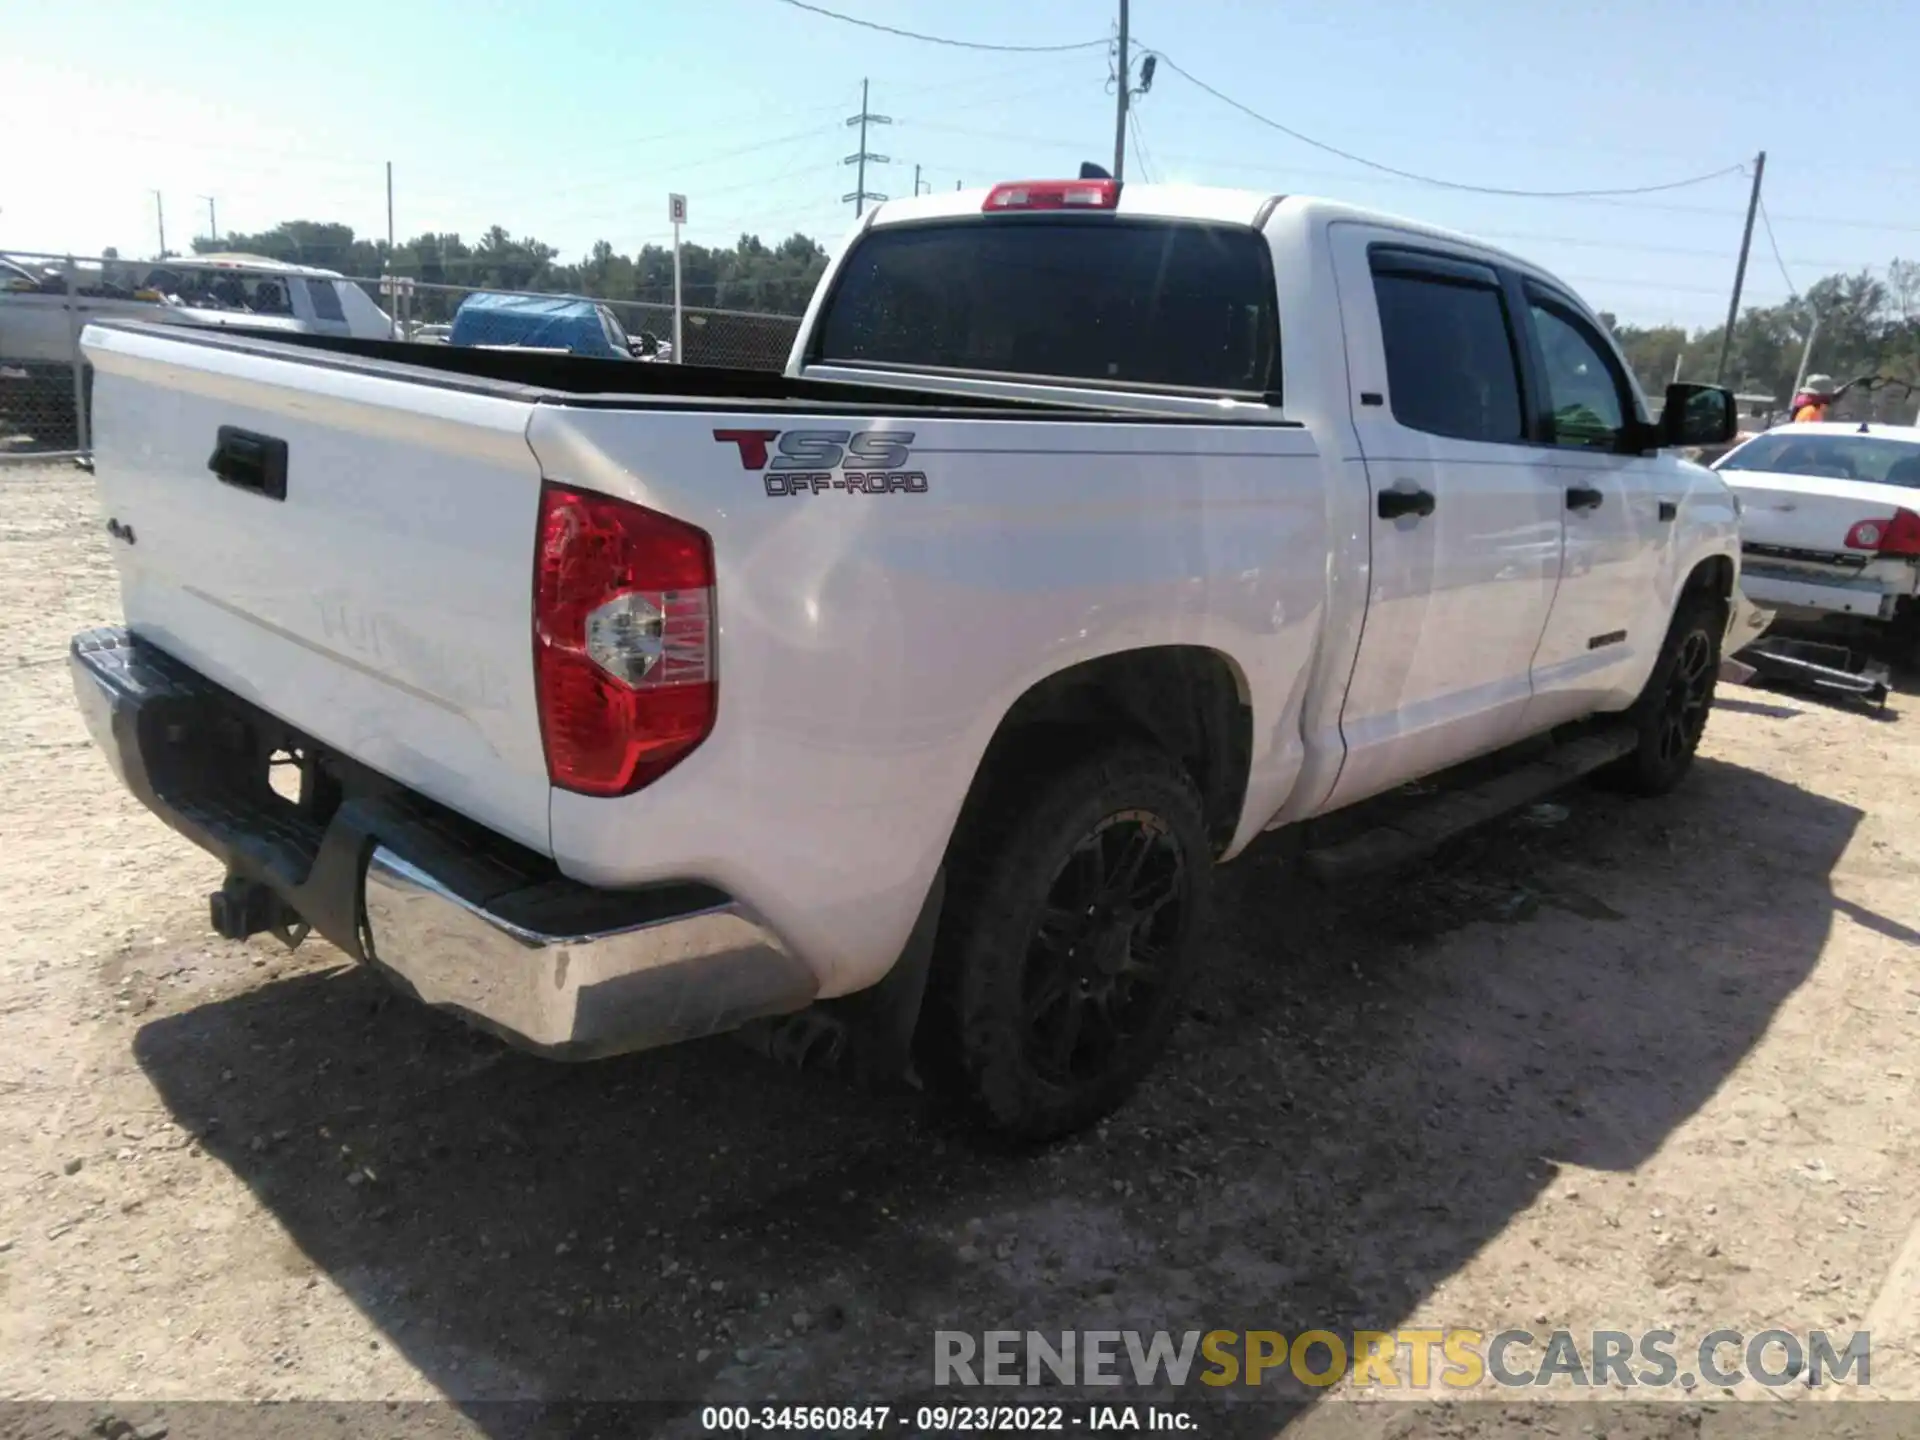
[{"x": 1374, "y": 1084}]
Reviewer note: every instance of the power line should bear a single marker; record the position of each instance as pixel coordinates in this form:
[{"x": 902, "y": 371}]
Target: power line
[
  {"x": 1348, "y": 155},
  {"x": 1583, "y": 198},
  {"x": 1792, "y": 289},
  {"x": 1660, "y": 287},
  {"x": 1148, "y": 170},
  {"x": 626, "y": 177},
  {"x": 943, "y": 39}
]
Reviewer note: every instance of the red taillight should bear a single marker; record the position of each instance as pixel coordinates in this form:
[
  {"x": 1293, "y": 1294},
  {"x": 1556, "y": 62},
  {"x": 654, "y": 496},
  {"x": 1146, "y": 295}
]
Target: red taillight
[
  {"x": 623, "y": 644},
  {"x": 1898, "y": 534},
  {"x": 1053, "y": 195}
]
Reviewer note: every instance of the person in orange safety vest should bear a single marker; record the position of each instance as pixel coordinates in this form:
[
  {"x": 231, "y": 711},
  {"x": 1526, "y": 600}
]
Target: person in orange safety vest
[{"x": 1812, "y": 402}]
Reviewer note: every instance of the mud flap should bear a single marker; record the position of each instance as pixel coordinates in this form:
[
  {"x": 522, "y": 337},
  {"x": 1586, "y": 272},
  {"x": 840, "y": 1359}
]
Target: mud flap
[
  {"x": 1746, "y": 623},
  {"x": 867, "y": 1036}
]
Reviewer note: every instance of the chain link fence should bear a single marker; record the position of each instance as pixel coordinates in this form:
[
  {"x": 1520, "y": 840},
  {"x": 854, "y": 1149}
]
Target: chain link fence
[
  {"x": 738, "y": 339},
  {"x": 45, "y": 389},
  {"x": 47, "y": 299}
]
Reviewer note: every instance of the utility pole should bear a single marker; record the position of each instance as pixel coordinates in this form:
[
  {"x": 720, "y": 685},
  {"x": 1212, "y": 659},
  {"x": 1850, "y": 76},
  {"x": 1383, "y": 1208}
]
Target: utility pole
[
  {"x": 1120, "y": 102},
  {"x": 160, "y": 218},
  {"x": 1806, "y": 354},
  {"x": 860, "y": 194},
  {"x": 677, "y": 216},
  {"x": 916, "y": 181},
  {"x": 1740, "y": 270},
  {"x": 393, "y": 322},
  {"x": 213, "y": 225}
]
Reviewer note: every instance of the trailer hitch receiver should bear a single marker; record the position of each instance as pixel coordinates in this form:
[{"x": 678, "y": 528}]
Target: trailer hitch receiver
[{"x": 242, "y": 908}]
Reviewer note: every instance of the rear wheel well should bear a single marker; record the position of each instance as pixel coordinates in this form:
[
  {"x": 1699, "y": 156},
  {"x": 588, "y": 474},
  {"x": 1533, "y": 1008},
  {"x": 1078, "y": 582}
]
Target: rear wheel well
[{"x": 1185, "y": 700}]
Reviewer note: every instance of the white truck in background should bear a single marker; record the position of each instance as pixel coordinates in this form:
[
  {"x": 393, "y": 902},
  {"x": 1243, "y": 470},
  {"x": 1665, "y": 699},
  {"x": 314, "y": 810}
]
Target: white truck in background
[
  {"x": 40, "y": 321},
  {"x": 913, "y": 694}
]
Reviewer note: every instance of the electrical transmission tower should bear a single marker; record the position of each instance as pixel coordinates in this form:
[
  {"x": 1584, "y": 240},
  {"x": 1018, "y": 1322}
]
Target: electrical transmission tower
[{"x": 860, "y": 194}]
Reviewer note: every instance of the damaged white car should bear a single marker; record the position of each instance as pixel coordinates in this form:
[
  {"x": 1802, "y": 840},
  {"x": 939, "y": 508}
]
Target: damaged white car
[{"x": 1830, "y": 523}]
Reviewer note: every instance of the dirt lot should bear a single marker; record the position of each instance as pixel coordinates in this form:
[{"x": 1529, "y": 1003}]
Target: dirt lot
[{"x": 1651, "y": 1064}]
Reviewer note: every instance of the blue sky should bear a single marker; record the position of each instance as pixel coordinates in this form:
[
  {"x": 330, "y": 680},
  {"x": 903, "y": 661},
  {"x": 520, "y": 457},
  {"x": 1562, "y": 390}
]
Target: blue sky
[{"x": 572, "y": 119}]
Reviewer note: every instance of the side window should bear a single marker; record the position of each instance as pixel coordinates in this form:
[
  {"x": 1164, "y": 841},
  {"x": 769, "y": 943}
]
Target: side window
[
  {"x": 326, "y": 301},
  {"x": 1585, "y": 392},
  {"x": 616, "y": 336},
  {"x": 1451, "y": 364}
]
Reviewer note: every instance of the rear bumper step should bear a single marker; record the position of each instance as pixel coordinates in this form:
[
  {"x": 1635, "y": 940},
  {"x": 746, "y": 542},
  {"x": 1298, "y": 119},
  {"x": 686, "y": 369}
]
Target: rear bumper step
[{"x": 461, "y": 918}]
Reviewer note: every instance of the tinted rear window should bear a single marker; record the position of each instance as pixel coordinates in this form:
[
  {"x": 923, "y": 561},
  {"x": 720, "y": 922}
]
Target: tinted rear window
[
  {"x": 1834, "y": 457},
  {"x": 1100, "y": 299}
]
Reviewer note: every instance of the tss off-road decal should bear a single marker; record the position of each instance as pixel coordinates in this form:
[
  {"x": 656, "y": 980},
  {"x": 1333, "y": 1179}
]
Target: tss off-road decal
[{"x": 804, "y": 462}]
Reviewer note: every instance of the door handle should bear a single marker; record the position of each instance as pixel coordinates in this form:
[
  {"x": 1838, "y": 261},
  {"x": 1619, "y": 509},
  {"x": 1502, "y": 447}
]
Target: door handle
[
  {"x": 1583, "y": 497},
  {"x": 1395, "y": 503},
  {"x": 250, "y": 461},
  {"x": 1668, "y": 510}
]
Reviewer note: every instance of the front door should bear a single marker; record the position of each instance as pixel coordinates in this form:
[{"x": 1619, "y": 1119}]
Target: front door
[{"x": 1466, "y": 535}]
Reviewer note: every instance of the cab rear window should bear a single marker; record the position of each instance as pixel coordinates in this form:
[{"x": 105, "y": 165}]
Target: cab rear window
[{"x": 1100, "y": 300}]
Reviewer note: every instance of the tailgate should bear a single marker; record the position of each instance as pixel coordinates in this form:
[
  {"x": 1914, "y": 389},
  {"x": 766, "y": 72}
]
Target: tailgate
[
  {"x": 381, "y": 600},
  {"x": 1809, "y": 512}
]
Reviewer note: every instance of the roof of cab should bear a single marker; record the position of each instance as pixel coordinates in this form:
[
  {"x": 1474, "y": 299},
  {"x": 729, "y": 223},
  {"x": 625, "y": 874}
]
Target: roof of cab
[
  {"x": 1158, "y": 202},
  {"x": 1204, "y": 203},
  {"x": 236, "y": 260}
]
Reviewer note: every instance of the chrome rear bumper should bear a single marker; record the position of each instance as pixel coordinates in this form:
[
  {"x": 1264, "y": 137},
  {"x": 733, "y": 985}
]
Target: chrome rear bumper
[
  {"x": 460, "y": 918},
  {"x": 577, "y": 995}
]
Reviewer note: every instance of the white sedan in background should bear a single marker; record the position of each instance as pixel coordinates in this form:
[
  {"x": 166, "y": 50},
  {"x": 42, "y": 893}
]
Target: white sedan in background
[{"x": 1830, "y": 521}]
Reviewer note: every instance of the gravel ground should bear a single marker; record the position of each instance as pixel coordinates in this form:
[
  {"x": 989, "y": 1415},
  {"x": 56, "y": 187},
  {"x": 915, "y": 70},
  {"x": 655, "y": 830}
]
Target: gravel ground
[{"x": 1647, "y": 1064}]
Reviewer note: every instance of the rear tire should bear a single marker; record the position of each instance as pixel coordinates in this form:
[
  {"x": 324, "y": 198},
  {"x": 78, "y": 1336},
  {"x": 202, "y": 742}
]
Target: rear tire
[
  {"x": 1671, "y": 713},
  {"x": 1067, "y": 950}
]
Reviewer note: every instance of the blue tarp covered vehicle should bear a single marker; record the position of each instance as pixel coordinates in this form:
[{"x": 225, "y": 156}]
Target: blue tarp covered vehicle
[{"x": 548, "y": 322}]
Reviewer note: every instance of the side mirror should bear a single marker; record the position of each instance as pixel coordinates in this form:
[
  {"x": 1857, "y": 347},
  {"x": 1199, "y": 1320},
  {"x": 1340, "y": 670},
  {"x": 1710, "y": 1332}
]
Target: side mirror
[
  {"x": 646, "y": 346},
  {"x": 1698, "y": 415}
]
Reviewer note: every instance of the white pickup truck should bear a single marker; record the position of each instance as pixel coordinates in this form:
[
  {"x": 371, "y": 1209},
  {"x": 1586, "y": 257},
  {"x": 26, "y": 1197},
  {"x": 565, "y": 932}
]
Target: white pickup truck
[{"x": 1091, "y": 532}]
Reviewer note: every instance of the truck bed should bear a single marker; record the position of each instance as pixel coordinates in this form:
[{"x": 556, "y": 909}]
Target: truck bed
[{"x": 503, "y": 370}]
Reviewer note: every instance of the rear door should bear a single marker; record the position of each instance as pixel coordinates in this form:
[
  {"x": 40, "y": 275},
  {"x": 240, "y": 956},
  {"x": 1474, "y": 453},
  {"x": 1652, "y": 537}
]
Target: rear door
[
  {"x": 1465, "y": 536},
  {"x": 1621, "y": 511},
  {"x": 349, "y": 549}
]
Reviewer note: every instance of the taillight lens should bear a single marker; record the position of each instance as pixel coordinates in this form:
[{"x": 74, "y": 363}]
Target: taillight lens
[
  {"x": 623, "y": 642},
  {"x": 1898, "y": 534}
]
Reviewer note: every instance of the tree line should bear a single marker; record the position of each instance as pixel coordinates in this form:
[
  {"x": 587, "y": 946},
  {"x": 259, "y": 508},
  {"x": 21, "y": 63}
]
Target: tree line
[
  {"x": 1862, "y": 324},
  {"x": 1867, "y": 323},
  {"x": 751, "y": 275}
]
